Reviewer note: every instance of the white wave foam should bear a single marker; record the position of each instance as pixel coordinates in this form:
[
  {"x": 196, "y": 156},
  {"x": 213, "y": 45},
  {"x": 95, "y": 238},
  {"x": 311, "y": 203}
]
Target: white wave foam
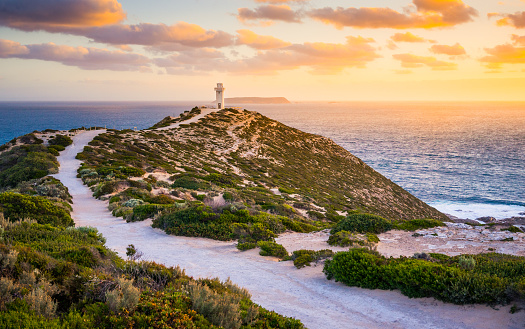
[{"x": 467, "y": 210}]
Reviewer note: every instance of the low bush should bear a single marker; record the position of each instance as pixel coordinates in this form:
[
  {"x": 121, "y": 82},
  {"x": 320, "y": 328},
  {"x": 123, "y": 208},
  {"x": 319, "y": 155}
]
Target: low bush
[
  {"x": 271, "y": 248},
  {"x": 18, "y": 206},
  {"x": 61, "y": 140},
  {"x": 190, "y": 183},
  {"x": 345, "y": 239},
  {"x": 26, "y": 162},
  {"x": 302, "y": 258},
  {"x": 417, "y": 224},
  {"x": 484, "y": 278},
  {"x": 243, "y": 246},
  {"x": 363, "y": 223}
]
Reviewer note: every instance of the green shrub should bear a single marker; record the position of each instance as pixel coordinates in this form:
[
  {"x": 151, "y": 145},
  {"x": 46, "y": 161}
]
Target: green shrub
[
  {"x": 190, "y": 183},
  {"x": 17, "y": 206},
  {"x": 141, "y": 212},
  {"x": 270, "y": 248},
  {"x": 513, "y": 229},
  {"x": 246, "y": 246},
  {"x": 61, "y": 140},
  {"x": 363, "y": 223},
  {"x": 371, "y": 237},
  {"x": 26, "y": 162},
  {"x": 492, "y": 278},
  {"x": 302, "y": 258},
  {"x": 345, "y": 239},
  {"x": 417, "y": 224}
]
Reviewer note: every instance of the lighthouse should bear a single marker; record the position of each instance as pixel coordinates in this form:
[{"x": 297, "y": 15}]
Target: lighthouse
[{"x": 219, "y": 94}]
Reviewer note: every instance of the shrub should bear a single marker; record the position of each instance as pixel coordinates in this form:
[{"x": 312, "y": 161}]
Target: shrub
[
  {"x": 189, "y": 183},
  {"x": 302, "y": 258},
  {"x": 417, "y": 224},
  {"x": 345, "y": 239},
  {"x": 61, "y": 140},
  {"x": 124, "y": 296},
  {"x": 40, "y": 302},
  {"x": 363, "y": 223},
  {"x": 17, "y": 206},
  {"x": 221, "y": 309},
  {"x": 23, "y": 163},
  {"x": 494, "y": 280},
  {"x": 246, "y": 246},
  {"x": 270, "y": 248}
]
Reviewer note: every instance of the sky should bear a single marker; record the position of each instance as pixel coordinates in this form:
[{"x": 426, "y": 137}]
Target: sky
[{"x": 305, "y": 50}]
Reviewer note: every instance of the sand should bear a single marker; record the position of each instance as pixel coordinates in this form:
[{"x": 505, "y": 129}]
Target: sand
[{"x": 304, "y": 294}]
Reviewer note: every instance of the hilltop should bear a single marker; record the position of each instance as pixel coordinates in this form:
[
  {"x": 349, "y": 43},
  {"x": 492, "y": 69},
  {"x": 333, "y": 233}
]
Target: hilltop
[{"x": 257, "y": 161}]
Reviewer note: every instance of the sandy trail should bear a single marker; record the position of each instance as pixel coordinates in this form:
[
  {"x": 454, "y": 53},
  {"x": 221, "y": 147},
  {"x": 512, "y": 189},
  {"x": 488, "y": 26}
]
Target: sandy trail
[{"x": 304, "y": 294}]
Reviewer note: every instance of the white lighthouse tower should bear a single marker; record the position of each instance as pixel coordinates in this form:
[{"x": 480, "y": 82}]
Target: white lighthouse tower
[{"x": 219, "y": 93}]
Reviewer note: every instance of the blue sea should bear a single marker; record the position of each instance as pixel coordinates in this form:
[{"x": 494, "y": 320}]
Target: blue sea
[{"x": 465, "y": 159}]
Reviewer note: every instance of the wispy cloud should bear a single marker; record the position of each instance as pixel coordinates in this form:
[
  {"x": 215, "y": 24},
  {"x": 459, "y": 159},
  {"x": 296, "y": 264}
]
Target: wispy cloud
[
  {"x": 428, "y": 14},
  {"x": 268, "y": 14},
  {"x": 260, "y": 42},
  {"x": 414, "y": 61},
  {"x": 81, "y": 57},
  {"x": 407, "y": 37},
  {"x": 454, "y": 50},
  {"x": 517, "y": 19}
]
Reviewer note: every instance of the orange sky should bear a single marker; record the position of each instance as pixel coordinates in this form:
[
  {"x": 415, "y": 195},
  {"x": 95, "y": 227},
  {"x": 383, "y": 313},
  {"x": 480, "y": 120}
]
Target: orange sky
[{"x": 301, "y": 49}]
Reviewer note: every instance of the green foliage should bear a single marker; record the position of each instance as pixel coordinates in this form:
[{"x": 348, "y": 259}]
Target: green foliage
[
  {"x": 220, "y": 180},
  {"x": 190, "y": 183},
  {"x": 363, "y": 223},
  {"x": 26, "y": 162},
  {"x": 345, "y": 239},
  {"x": 270, "y": 248},
  {"x": 513, "y": 229},
  {"x": 484, "y": 278},
  {"x": 141, "y": 212},
  {"x": 18, "y": 206},
  {"x": 417, "y": 224},
  {"x": 61, "y": 140},
  {"x": 202, "y": 221},
  {"x": 243, "y": 246},
  {"x": 371, "y": 237},
  {"x": 302, "y": 258}
]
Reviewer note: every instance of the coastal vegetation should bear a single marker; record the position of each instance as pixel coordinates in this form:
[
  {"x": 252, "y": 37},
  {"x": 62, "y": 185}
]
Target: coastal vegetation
[
  {"x": 488, "y": 278},
  {"x": 54, "y": 275}
]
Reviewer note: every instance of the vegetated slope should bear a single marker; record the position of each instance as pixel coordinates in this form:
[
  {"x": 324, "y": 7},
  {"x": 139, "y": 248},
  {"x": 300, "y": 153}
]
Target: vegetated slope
[{"x": 247, "y": 154}]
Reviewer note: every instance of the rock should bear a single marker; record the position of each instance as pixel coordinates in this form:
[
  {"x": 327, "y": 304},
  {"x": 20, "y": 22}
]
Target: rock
[{"x": 487, "y": 219}]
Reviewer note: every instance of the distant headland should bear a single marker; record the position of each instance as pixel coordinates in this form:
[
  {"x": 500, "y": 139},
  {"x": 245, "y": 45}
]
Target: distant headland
[{"x": 257, "y": 100}]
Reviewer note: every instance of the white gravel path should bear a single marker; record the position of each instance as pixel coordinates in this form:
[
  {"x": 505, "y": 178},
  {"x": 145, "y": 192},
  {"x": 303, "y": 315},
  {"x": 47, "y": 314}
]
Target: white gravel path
[{"x": 304, "y": 294}]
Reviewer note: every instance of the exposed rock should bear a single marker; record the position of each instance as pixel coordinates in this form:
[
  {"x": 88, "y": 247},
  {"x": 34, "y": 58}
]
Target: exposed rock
[{"x": 487, "y": 219}]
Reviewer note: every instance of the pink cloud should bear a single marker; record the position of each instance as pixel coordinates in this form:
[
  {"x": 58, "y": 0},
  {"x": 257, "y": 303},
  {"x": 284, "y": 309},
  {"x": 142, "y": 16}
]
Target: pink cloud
[
  {"x": 81, "y": 57},
  {"x": 455, "y": 50},
  {"x": 413, "y": 61},
  {"x": 269, "y": 13},
  {"x": 429, "y": 14}
]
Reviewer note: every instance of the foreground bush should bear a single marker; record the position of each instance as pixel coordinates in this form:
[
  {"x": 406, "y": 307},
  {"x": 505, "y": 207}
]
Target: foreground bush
[
  {"x": 302, "y": 258},
  {"x": 363, "y": 223},
  {"x": 487, "y": 278},
  {"x": 18, "y": 206}
]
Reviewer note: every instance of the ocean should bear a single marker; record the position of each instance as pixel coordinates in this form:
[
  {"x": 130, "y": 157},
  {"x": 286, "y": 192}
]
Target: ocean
[{"x": 466, "y": 159}]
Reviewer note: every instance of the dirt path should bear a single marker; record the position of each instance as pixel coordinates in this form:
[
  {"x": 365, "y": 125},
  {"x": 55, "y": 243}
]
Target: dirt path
[{"x": 304, "y": 294}]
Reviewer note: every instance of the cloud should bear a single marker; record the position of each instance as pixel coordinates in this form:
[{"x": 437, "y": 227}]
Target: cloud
[
  {"x": 428, "y": 14},
  {"x": 55, "y": 15},
  {"x": 317, "y": 57},
  {"x": 413, "y": 61},
  {"x": 98, "y": 20},
  {"x": 407, "y": 37},
  {"x": 518, "y": 40},
  {"x": 504, "y": 54},
  {"x": 455, "y": 50},
  {"x": 269, "y": 14},
  {"x": 260, "y": 42},
  {"x": 517, "y": 19},
  {"x": 81, "y": 57},
  {"x": 160, "y": 35}
]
